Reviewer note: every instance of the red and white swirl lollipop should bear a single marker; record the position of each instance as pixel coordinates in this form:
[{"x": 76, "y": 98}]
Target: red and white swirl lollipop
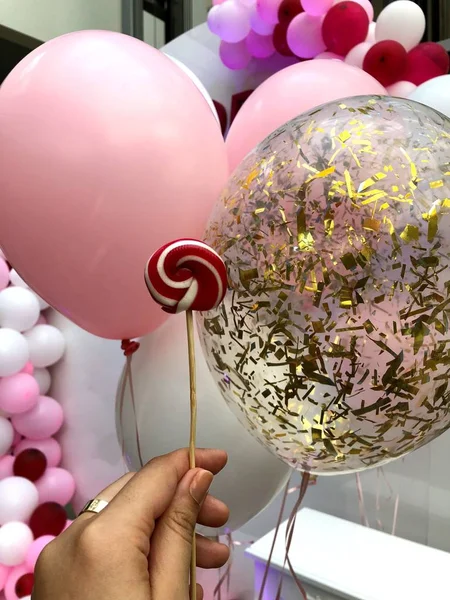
[{"x": 186, "y": 275}]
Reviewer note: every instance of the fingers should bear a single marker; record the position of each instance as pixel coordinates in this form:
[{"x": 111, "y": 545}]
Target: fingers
[
  {"x": 149, "y": 493},
  {"x": 107, "y": 494},
  {"x": 171, "y": 543},
  {"x": 211, "y": 554},
  {"x": 213, "y": 513}
]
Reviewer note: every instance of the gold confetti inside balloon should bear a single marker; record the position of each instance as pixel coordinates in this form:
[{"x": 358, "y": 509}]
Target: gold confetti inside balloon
[{"x": 332, "y": 345}]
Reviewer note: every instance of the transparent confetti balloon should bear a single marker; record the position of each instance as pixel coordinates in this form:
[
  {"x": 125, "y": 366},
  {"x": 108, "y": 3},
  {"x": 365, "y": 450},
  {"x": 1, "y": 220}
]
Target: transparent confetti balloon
[{"x": 332, "y": 343}]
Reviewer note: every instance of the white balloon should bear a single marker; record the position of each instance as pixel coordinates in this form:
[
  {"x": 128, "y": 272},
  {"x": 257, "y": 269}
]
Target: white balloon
[
  {"x": 161, "y": 384},
  {"x": 371, "y": 33},
  {"x": 434, "y": 93},
  {"x": 19, "y": 308},
  {"x": 44, "y": 380},
  {"x": 401, "y": 89},
  {"x": 18, "y": 499},
  {"x": 46, "y": 345},
  {"x": 14, "y": 352},
  {"x": 201, "y": 88},
  {"x": 402, "y": 21},
  {"x": 6, "y": 435},
  {"x": 357, "y": 54},
  {"x": 17, "y": 280},
  {"x": 15, "y": 539}
]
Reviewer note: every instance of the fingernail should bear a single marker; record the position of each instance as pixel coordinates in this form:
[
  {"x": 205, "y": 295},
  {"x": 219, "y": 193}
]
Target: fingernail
[{"x": 200, "y": 486}]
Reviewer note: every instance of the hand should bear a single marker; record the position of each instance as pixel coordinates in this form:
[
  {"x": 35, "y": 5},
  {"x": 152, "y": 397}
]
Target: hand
[{"x": 139, "y": 546}]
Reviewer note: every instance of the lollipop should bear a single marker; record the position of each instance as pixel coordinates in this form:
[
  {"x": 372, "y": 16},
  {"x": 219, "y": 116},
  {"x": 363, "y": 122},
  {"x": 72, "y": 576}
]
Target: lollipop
[{"x": 187, "y": 275}]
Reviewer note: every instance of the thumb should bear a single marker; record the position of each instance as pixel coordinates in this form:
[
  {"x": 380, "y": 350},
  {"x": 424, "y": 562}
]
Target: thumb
[{"x": 171, "y": 543}]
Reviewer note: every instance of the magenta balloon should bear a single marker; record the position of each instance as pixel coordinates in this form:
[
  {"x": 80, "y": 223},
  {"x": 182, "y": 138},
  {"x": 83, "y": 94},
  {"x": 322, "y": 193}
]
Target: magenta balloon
[
  {"x": 290, "y": 92},
  {"x": 233, "y": 21},
  {"x": 234, "y": 56},
  {"x": 260, "y": 46},
  {"x": 108, "y": 152},
  {"x": 304, "y": 36},
  {"x": 268, "y": 10},
  {"x": 258, "y": 24},
  {"x": 213, "y": 18},
  {"x": 366, "y": 4}
]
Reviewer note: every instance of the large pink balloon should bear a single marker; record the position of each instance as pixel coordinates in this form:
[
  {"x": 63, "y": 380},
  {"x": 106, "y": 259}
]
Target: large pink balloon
[
  {"x": 108, "y": 151},
  {"x": 290, "y": 92}
]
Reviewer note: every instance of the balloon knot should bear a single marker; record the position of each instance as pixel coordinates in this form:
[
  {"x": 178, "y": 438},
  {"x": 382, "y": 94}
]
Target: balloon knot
[{"x": 129, "y": 347}]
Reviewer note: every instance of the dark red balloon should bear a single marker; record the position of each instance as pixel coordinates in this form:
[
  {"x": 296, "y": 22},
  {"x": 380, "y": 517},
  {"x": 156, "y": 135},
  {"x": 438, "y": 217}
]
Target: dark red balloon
[
  {"x": 48, "y": 519},
  {"x": 288, "y": 10},
  {"x": 30, "y": 463},
  {"x": 345, "y": 25},
  {"x": 386, "y": 61},
  {"x": 24, "y": 585},
  {"x": 280, "y": 40},
  {"x": 426, "y": 61}
]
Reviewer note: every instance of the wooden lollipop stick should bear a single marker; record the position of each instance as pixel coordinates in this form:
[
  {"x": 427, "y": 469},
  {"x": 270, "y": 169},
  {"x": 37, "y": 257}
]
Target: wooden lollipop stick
[
  {"x": 187, "y": 275},
  {"x": 193, "y": 435}
]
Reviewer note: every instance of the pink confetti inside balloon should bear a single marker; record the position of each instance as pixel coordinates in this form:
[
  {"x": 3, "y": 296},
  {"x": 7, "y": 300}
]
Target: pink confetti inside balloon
[
  {"x": 268, "y": 10},
  {"x": 186, "y": 275},
  {"x": 260, "y": 46},
  {"x": 304, "y": 36},
  {"x": 317, "y": 8}
]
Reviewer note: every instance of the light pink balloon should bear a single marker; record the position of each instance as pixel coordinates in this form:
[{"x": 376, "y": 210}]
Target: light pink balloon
[
  {"x": 366, "y": 4},
  {"x": 328, "y": 56},
  {"x": 13, "y": 577},
  {"x": 258, "y": 24},
  {"x": 268, "y": 10},
  {"x": 290, "y": 92},
  {"x": 50, "y": 447},
  {"x": 260, "y": 46},
  {"x": 234, "y": 56},
  {"x": 42, "y": 421},
  {"x": 401, "y": 89},
  {"x": 108, "y": 152},
  {"x": 357, "y": 54},
  {"x": 4, "y": 274},
  {"x": 18, "y": 393},
  {"x": 4, "y": 572},
  {"x": 29, "y": 367},
  {"x": 6, "y": 466},
  {"x": 317, "y": 8},
  {"x": 304, "y": 36},
  {"x": 35, "y": 549},
  {"x": 56, "y": 485}
]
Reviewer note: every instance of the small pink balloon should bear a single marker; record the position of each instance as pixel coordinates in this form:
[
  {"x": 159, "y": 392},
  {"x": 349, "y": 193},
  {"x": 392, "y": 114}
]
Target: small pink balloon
[
  {"x": 42, "y": 320},
  {"x": 317, "y": 8},
  {"x": 56, "y": 485},
  {"x": 35, "y": 549},
  {"x": 42, "y": 421},
  {"x": 230, "y": 21},
  {"x": 268, "y": 10},
  {"x": 234, "y": 56},
  {"x": 13, "y": 577},
  {"x": 4, "y": 274},
  {"x": 328, "y": 56},
  {"x": 18, "y": 393},
  {"x": 258, "y": 24},
  {"x": 68, "y": 524},
  {"x": 6, "y": 466},
  {"x": 366, "y": 4},
  {"x": 4, "y": 572},
  {"x": 304, "y": 36},
  {"x": 371, "y": 33},
  {"x": 401, "y": 89},
  {"x": 28, "y": 368},
  {"x": 49, "y": 447},
  {"x": 260, "y": 46},
  {"x": 357, "y": 54}
]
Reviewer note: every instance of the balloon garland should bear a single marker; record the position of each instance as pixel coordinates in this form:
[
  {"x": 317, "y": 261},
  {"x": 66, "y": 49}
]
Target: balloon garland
[
  {"x": 33, "y": 488},
  {"x": 389, "y": 49}
]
